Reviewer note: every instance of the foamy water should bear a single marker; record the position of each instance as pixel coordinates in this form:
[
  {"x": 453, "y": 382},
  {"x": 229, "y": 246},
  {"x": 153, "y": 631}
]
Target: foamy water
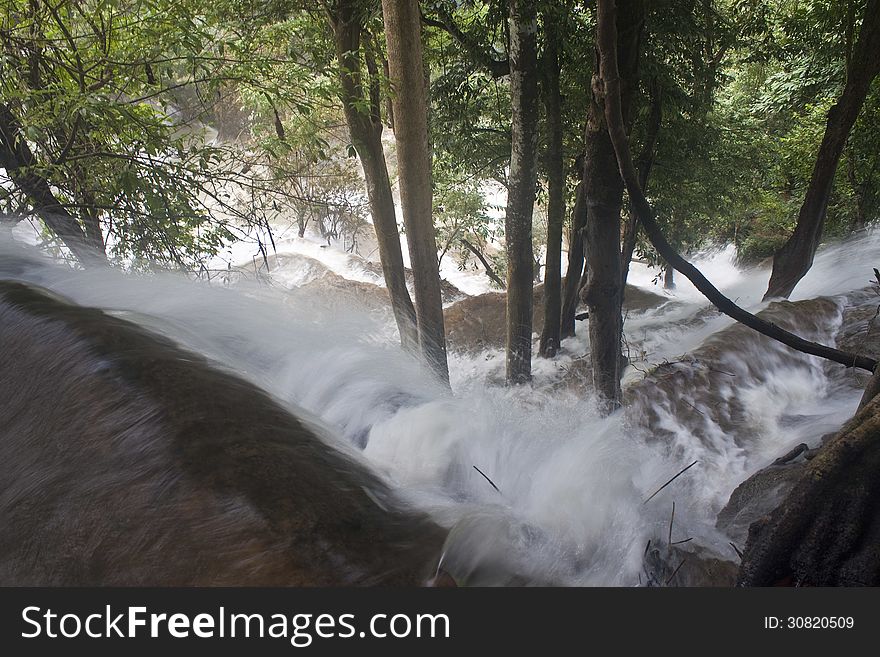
[{"x": 570, "y": 505}]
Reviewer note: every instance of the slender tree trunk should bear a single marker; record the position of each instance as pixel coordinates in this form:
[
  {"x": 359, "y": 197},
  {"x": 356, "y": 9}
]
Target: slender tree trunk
[
  {"x": 795, "y": 258},
  {"x": 860, "y": 217},
  {"x": 572, "y": 283},
  {"x": 521, "y": 188},
  {"x": 366, "y": 136},
  {"x": 603, "y": 189},
  {"x": 18, "y": 160},
  {"x": 403, "y": 36},
  {"x": 389, "y": 105},
  {"x": 550, "y": 335},
  {"x": 644, "y": 164}
]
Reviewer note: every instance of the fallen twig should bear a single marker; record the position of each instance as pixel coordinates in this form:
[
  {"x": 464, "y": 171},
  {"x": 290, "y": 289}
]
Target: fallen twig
[
  {"x": 792, "y": 454},
  {"x": 694, "y": 407},
  {"x": 667, "y": 483},
  {"x": 737, "y": 550},
  {"x": 675, "y": 572},
  {"x": 491, "y": 483}
]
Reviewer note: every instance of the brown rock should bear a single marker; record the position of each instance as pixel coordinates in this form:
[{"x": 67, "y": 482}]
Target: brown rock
[{"x": 479, "y": 322}]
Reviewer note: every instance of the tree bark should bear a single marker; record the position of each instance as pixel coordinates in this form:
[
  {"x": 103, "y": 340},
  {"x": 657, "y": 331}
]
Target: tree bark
[
  {"x": 521, "y": 188},
  {"x": 603, "y": 188},
  {"x": 610, "y": 84},
  {"x": 554, "y": 163},
  {"x": 366, "y": 136},
  {"x": 794, "y": 259},
  {"x": 19, "y": 161},
  {"x": 405, "y": 62}
]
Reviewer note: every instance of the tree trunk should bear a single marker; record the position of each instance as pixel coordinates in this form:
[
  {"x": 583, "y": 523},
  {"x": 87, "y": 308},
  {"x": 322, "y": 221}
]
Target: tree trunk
[
  {"x": 610, "y": 83},
  {"x": 603, "y": 294},
  {"x": 18, "y": 160},
  {"x": 603, "y": 188},
  {"x": 860, "y": 218},
  {"x": 827, "y": 531},
  {"x": 550, "y": 335},
  {"x": 366, "y": 136},
  {"x": 572, "y": 284},
  {"x": 795, "y": 258},
  {"x": 403, "y": 37},
  {"x": 389, "y": 105},
  {"x": 521, "y": 188}
]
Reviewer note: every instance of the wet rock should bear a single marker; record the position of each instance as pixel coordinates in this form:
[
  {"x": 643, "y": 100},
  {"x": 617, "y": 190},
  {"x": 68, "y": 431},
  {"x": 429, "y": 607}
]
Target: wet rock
[
  {"x": 686, "y": 565},
  {"x": 756, "y": 497},
  {"x": 448, "y": 292},
  {"x": 637, "y": 299},
  {"x": 859, "y": 333},
  {"x": 335, "y": 291},
  {"x": 479, "y": 322},
  {"x": 826, "y": 532},
  {"x": 703, "y": 390},
  {"x": 860, "y": 329}
]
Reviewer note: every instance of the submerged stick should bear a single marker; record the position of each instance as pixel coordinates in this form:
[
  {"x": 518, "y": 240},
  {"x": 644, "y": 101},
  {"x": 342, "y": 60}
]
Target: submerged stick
[
  {"x": 664, "y": 485},
  {"x": 675, "y": 572},
  {"x": 486, "y": 477}
]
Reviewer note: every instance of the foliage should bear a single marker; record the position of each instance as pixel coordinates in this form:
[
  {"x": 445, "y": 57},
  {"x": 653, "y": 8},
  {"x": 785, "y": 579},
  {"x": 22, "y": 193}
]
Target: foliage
[
  {"x": 115, "y": 99},
  {"x": 110, "y": 96}
]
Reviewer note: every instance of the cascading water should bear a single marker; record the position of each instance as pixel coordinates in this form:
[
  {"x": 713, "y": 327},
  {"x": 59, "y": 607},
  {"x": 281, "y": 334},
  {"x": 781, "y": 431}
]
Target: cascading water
[{"x": 570, "y": 505}]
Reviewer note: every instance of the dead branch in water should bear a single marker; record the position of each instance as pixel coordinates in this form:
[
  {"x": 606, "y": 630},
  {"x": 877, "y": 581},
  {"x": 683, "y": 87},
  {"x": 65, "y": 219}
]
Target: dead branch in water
[
  {"x": 667, "y": 483},
  {"x": 675, "y": 572},
  {"x": 486, "y": 477}
]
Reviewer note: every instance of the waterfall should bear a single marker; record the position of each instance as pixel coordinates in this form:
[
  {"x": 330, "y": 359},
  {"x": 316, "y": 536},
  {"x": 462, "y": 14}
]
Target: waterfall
[{"x": 570, "y": 505}]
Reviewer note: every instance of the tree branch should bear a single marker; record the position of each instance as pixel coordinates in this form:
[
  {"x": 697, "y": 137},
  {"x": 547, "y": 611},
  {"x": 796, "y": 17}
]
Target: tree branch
[
  {"x": 18, "y": 160},
  {"x": 489, "y": 271},
  {"x": 497, "y": 68},
  {"x": 610, "y": 79}
]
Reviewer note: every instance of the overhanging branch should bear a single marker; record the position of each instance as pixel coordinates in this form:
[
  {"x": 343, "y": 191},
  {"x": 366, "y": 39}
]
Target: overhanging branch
[
  {"x": 610, "y": 80},
  {"x": 497, "y": 68}
]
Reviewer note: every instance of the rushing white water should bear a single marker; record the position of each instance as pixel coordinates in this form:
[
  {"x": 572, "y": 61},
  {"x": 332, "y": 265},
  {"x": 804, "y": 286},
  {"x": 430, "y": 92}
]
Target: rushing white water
[{"x": 570, "y": 506}]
